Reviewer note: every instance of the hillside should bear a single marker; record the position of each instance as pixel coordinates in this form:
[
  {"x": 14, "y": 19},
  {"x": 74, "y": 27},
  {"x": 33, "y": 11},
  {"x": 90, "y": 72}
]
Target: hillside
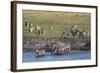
[{"x": 60, "y": 21}]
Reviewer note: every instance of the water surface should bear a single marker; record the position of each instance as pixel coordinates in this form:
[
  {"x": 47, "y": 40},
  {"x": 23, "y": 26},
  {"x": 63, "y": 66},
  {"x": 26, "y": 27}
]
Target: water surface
[{"x": 77, "y": 55}]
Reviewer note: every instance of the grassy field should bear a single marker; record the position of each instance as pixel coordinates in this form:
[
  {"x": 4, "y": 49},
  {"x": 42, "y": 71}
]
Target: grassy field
[{"x": 60, "y": 21}]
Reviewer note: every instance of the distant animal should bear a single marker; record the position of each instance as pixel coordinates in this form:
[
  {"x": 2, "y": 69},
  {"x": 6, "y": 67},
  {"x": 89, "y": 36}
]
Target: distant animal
[
  {"x": 38, "y": 27},
  {"x": 82, "y": 34},
  {"x": 61, "y": 48},
  {"x": 76, "y": 32},
  {"x": 63, "y": 35},
  {"x": 50, "y": 27},
  {"x": 26, "y": 24},
  {"x": 37, "y": 30},
  {"x": 30, "y": 27},
  {"x": 40, "y": 52},
  {"x": 43, "y": 31}
]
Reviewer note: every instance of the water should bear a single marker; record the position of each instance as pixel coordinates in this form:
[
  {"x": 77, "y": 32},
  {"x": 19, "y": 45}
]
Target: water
[{"x": 79, "y": 55}]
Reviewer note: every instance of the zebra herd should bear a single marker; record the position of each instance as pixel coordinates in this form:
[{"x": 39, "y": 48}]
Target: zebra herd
[
  {"x": 35, "y": 29},
  {"x": 55, "y": 48},
  {"x": 73, "y": 31}
]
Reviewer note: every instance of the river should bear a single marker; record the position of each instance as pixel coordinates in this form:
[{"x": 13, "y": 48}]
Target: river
[{"x": 74, "y": 55}]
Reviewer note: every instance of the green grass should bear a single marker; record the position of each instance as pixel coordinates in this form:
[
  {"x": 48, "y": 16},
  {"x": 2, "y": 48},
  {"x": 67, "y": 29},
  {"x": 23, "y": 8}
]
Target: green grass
[{"x": 61, "y": 21}]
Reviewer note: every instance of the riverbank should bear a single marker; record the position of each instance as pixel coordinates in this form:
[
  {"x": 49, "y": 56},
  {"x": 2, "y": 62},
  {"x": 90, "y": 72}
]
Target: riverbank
[{"x": 82, "y": 44}]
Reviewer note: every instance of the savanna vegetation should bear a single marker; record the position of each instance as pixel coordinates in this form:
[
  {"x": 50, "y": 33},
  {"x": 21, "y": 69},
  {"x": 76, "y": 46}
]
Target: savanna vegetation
[{"x": 59, "y": 21}]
